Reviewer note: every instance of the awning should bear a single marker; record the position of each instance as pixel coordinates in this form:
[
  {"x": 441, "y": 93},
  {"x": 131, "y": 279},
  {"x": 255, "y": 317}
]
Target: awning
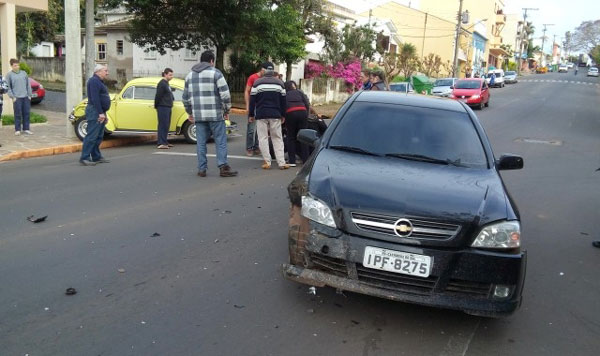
[{"x": 498, "y": 52}]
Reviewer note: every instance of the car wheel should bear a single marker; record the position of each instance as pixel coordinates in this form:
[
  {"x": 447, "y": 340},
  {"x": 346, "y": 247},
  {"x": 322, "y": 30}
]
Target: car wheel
[
  {"x": 487, "y": 103},
  {"x": 81, "y": 128},
  {"x": 36, "y": 101},
  {"x": 481, "y": 105},
  {"x": 189, "y": 132}
]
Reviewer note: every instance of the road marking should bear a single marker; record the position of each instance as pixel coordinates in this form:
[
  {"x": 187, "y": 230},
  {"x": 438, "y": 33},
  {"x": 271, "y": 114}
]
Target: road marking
[
  {"x": 207, "y": 155},
  {"x": 459, "y": 345}
]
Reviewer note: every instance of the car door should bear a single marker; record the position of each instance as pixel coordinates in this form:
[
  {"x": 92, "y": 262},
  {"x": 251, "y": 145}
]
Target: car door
[
  {"x": 485, "y": 93},
  {"x": 135, "y": 109},
  {"x": 178, "y": 108}
]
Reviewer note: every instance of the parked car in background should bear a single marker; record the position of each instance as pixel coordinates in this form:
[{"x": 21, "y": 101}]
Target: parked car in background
[
  {"x": 570, "y": 65},
  {"x": 38, "y": 93},
  {"x": 443, "y": 87},
  {"x": 473, "y": 92},
  {"x": 132, "y": 111},
  {"x": 592, "y": 72},
  {"x": 499, "y": 80},
  {"x": 408, "y": 205},
  {"x": 541, "y": 70},
  {"x": 510, "y": 77},
  {"x": 563, "y": 68},
  {"x": 403, "y": 87}
]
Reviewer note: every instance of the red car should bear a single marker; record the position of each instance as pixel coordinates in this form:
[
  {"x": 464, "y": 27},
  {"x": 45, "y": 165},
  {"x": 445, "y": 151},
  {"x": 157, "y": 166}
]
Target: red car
[
  {"x": 471, "y": 91},
  {"x": 38, "y": 91}
]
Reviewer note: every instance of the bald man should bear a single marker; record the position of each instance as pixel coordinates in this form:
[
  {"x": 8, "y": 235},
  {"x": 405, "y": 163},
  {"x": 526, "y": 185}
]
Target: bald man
[{"x": 95, "y": 114}]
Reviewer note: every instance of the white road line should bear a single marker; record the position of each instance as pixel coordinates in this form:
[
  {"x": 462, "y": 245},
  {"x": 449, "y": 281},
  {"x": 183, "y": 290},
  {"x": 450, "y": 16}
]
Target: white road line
[{"x": 208, "y": 155}]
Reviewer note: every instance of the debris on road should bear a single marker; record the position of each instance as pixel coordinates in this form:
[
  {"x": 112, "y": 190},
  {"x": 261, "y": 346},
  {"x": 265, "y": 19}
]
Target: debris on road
[
  {"x": 312, "y": 290},
  {"x": 46, "y": 308},
  {"x": 33, "y": 219},
  {"x": 70, "y": 291},
  {"x": 562, "y": 273},
  {"x": 121, "y": 270},
  {"x": 155, "y": 234},
  {"x": 239, "y": 306},
  {"x": 216, "y": 240},
  {"x": 227, "y": 212}
]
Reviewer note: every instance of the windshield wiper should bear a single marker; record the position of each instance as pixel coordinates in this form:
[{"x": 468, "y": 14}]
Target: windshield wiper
[
  {"x": 354, "y": 149},
  {"x": 420, "y": 158}
]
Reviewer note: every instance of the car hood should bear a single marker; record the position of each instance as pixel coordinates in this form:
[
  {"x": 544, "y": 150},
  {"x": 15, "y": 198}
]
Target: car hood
[
  {"x": 350, "y": 182},
  {"x": 466, "y": 92}
]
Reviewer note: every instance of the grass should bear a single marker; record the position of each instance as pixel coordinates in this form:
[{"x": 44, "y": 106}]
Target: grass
[
  {"x": 34, "y": 119},
  {"x": 54, "y": 86}
]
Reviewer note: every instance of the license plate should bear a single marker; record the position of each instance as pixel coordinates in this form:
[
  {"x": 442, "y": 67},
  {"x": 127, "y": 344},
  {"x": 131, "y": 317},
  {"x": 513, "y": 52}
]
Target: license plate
[
  {"x": 34, "y": 95},
  {"x": 397, "y": 261}
]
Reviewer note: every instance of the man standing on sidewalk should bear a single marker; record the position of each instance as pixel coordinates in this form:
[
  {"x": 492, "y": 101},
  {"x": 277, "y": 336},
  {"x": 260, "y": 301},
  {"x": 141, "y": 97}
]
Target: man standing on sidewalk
[
  {"x": 163, "y": 103},
  {"x": 267, "y": 106},
  {"x": 95, "y": 115},
  {"x": 207, "y": 101},
  {"x": 19, "y": 91},
  {"x": 251, "y": 137}
]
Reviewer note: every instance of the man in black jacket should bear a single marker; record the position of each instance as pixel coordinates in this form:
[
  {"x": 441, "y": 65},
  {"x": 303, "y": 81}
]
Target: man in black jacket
[
  {"x": 95, "y": 115},
  {"x": 163, "y": 103}
]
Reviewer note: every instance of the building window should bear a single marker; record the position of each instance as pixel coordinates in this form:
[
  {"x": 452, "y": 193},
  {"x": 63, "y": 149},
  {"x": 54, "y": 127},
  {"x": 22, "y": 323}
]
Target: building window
[
  {"x": 190, "y": 55},
  {"x": 149, "y": 54},
  {"x": 120, "y": 47},
  {"x": 101, "y": 52}
]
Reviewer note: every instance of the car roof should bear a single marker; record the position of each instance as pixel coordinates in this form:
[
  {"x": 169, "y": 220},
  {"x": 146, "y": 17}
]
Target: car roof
[
  {"x": 424, "y": 101},
  {"x": 154, "y": 81},
  {"x": 470, "y": 80}
]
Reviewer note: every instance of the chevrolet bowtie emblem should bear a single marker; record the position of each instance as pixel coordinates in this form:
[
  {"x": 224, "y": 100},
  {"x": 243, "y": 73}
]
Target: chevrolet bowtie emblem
[{"x": 403, "y": 228}]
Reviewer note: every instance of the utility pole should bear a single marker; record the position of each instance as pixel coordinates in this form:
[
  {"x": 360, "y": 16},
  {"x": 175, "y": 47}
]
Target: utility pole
[
  {"x": 424, "y": 29},
  {"x": 73, "y": 58},
  {"x": 90, "y": 47},
  {"x": 544, "y": 38},
  {"x": 525, "y": 9},
  {"x": 455, "y": 71}
]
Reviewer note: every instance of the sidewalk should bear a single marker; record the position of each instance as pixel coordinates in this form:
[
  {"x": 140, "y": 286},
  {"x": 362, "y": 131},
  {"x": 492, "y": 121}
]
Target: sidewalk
[{"x": 50, "y": 138}]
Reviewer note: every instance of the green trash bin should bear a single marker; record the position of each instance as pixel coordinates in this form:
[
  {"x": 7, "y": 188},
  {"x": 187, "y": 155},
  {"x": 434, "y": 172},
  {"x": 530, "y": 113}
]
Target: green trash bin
[{"x": 422, "y": 83}]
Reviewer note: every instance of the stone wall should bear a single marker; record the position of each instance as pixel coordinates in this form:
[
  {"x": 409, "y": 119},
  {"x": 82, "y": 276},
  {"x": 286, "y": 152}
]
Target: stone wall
[{"x": 47, "y": 68}]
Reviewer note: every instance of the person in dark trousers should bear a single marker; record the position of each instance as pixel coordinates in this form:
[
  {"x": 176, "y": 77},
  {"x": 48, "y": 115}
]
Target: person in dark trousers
[
  {"x": 95, "y": 115},
  {"x": 3, "y": 90},
  {"x": 251, "y": 135},
  {"x": 378, "y": 80},
  {"x": 207, "y": 101},
  {"x": 19, "y": 90},
  {"x": 296, "y": 118},
  {"x": 163, "y": 103}
]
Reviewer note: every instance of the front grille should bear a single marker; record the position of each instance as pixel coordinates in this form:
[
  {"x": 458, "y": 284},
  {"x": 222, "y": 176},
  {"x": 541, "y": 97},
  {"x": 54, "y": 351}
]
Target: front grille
[
  {"x": 376, "y": 278},
  {"x": 396, "y": 282},
  {"x": 422, "y": 229},
  {"x": 468, "y": 287}
]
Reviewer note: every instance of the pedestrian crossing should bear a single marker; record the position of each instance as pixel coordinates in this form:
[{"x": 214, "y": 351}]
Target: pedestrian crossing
[{"x": 558, "y": 81}]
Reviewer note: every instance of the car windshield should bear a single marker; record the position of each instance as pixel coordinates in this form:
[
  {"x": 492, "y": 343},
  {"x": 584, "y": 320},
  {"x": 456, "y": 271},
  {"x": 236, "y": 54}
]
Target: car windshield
[
  {"x": 593, "y": 69},
  {"x": 409, "y": 133},
  {"x": 510, "y": 72},
  {"x": 468, "y": 84},
  {"x": 443, "y": 83},
  {"x": 398, "y": 87}
]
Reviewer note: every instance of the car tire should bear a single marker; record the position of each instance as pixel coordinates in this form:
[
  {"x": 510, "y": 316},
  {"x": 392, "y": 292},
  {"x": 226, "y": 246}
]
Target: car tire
[
  {"x": 80, "y": 128},
  {"x": 36, "y": 101},
  {"x": 502, "y": 85},
  {"x": 487, "y": 103},
  {"x": 189, "y": 132},
  {"x": 481, "y": 105}
]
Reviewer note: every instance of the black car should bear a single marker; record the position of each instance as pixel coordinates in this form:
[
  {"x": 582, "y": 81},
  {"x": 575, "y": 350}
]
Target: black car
[{"x": 402, "y": 199}]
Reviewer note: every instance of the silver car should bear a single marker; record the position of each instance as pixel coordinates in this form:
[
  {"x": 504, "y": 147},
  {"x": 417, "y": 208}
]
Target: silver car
[
  {"x": 443, "y": 87},
  {"x": 592, "y": 72},
  {"x": 402, "y": 87},
  {"x": 510, "y": 77}
]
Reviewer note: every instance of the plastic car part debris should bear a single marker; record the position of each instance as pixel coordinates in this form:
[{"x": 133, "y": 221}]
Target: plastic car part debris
[
  {"x": 121, "y": 270},
  {"x": 155, "y": 234},
  {"x": 33, "y": 219},
  {"x": 70, "y": 291},
  {"x": 312, "y": 290},
  {"x": 239, "y": 306}
]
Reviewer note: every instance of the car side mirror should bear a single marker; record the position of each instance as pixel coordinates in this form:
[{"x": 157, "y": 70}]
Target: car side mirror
[
  {"x": 308, "y": 137},
  {"x": 452, "y": 87},
  {"x": 509, "y": 162}
]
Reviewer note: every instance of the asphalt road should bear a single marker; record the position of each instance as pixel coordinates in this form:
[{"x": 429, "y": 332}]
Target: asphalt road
[
  {"x": 53, "y": 101},
  {"x": 210, "y": 284}
]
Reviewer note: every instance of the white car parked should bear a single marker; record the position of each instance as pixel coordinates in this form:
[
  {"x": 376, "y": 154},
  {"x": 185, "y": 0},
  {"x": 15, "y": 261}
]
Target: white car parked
[
  {"x": 592, "y": 72},
  {"x": 498, "y": 80},
  {"x": 563, "y": 68}
]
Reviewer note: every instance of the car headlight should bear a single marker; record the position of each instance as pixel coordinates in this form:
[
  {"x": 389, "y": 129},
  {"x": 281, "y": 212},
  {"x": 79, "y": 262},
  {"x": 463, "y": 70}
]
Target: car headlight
[
  {"x": 317, "y": 211},
  {"x": 506, "y": 234},
  {"x": 41, "y": 86},
  {"x": 476, "y": 96},
  {"x": 451, "y": 96}
]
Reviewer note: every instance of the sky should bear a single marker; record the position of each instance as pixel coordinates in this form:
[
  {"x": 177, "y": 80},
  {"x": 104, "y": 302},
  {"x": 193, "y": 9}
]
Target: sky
[{"x": 566, "y": 15}]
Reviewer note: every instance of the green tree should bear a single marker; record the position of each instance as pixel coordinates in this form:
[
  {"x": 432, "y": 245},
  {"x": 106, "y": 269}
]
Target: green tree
[
  {"x": 35, "y": 27},
  {"x": 407, "y": 59},
  {"x": 587, "y": 35},
  {"x": 595, "y": 53},
  {"x": 431, "y": 65},
  {"x": 176, "y": 24},
  {"x": 351, "y": 42}
]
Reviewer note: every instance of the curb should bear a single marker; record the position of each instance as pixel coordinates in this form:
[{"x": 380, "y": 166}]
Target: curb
[
  {"x": 75, "y": 147},
  {"x": 238, "y": 111}
]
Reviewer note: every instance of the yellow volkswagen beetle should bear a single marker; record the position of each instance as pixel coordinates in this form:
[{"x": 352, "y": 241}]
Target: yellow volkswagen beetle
[{"x": 132, "y": 111}]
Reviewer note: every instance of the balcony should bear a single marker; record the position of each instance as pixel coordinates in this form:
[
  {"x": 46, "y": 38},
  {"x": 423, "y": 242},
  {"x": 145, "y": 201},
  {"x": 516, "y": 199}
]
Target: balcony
[{"x": 500, "y": 19}]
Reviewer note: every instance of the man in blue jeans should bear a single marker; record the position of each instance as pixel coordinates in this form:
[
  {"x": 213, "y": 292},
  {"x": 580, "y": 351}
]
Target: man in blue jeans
[
  {"x": 95, "y": 115},
  {"x": 19, "y": 90},
  {"x": 207, "y": 101}
]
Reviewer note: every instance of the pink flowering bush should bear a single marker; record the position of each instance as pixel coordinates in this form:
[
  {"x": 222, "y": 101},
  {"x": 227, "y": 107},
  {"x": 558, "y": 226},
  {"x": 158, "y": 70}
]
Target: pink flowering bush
[{"x": 349, "y": 72}]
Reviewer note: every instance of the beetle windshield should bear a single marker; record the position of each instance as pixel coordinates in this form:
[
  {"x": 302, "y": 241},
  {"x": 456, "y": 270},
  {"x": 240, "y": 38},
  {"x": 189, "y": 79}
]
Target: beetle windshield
[{"x": 405, "y": 132}]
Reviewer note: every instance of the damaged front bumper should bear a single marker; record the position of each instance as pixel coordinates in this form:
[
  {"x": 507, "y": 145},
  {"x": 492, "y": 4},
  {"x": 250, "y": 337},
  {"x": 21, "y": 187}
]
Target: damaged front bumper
[{"x": 464, "y": 280}]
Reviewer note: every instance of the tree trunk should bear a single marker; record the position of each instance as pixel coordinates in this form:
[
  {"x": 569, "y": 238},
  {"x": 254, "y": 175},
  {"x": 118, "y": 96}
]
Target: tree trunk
[
  {"x": 90, "y": 46},
  {"x": 219, "y": 62},
  {"x": 288, "y": 70}
]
